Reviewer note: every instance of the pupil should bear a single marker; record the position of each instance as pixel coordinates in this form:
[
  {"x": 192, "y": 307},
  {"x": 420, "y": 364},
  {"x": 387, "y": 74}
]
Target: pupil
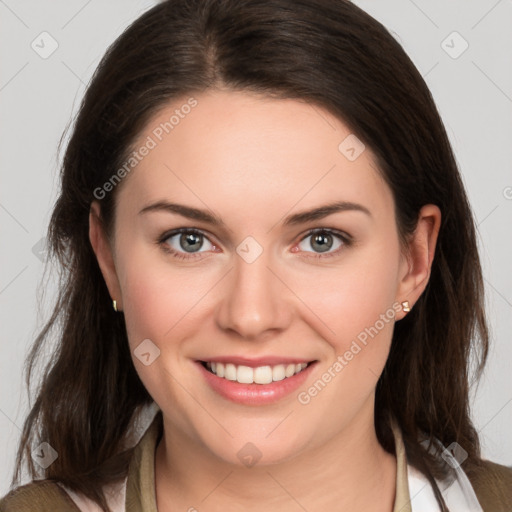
[
  {"x": 192, "y": 239},
  {"x": 325, "y": 242}
]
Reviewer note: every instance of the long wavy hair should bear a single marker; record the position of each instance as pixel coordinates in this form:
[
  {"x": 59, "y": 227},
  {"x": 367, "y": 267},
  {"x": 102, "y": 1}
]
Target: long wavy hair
[{"x": 331, "y": 54}]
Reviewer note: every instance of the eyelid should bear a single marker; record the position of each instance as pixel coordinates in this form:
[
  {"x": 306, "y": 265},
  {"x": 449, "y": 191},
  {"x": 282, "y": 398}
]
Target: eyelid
[
  {"x": 341, "y": 234},
  {"x": 178, "y": 231}
]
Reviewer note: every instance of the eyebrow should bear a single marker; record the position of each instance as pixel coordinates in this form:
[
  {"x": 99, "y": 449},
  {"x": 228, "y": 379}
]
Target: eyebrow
[{"x": 297, "y": 218}]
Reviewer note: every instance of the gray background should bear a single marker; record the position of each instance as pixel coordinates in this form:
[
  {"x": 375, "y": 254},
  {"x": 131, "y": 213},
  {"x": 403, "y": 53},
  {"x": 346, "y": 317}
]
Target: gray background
[{"x": 38, "y": 97}]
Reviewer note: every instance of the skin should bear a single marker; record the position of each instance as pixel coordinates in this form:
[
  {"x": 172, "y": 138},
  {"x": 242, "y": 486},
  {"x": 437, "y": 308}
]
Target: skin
[{"x": 252, "y": 161}]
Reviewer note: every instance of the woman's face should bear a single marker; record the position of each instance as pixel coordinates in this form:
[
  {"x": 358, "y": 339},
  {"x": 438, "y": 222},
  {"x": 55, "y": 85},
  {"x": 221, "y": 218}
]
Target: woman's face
[{"x": 257, "y": 287}]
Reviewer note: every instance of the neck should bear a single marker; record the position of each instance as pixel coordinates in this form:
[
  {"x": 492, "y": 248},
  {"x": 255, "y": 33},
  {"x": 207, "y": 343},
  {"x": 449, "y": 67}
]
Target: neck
[{"x": 350, "y": 472}]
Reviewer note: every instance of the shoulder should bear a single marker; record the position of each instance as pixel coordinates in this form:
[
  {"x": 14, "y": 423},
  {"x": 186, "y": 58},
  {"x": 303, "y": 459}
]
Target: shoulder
[
  {"x": 38, "y": 496},
  {"x": 52, "y": 496},
  {"x": 492, "y": 484}
]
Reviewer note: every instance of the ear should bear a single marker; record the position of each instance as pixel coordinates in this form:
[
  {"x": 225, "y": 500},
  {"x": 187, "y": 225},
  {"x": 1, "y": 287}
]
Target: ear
[
  {"x": 104, "y": 254},
  {"x": 417, "y": 263}
]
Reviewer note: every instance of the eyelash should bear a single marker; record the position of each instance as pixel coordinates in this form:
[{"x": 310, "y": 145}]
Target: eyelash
[{"x": 344, "y": 237}]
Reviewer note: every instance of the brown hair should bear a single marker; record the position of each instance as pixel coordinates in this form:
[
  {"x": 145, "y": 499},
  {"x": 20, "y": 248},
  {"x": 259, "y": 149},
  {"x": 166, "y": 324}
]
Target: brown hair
[{"x": 331, "y": 54}]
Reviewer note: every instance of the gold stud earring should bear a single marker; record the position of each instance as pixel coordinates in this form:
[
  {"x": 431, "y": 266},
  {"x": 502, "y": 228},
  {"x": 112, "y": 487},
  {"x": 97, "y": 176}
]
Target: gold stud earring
[
  {"x": 406, "y": 306},
  {"x": 114, "y": 305}
]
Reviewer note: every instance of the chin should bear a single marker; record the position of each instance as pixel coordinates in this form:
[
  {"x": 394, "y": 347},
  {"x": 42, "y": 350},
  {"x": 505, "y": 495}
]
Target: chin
[{"x": 256, "y": 451}]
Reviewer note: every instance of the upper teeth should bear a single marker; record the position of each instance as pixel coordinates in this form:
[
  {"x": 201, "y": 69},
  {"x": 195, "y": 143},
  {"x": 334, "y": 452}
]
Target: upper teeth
[{"x": 258, "y": 375}]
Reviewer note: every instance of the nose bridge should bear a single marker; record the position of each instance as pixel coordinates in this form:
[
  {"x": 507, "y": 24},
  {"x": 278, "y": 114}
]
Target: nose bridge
[{"x": 254, "y": 299}]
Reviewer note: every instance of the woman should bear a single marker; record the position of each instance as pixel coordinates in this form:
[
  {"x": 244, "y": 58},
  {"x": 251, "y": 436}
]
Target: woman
[{"x": 267, "y": 249}]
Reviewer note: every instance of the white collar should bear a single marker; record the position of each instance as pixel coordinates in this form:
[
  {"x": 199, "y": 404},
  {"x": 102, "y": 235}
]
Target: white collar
[{"x": 458, "y": 494}]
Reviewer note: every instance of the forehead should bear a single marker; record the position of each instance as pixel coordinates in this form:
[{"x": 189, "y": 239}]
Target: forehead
[{"x": 234, "y": 150}]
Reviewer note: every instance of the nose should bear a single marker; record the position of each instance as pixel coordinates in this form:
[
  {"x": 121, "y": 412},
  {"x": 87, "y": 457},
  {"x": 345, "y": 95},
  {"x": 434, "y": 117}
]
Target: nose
[{"x": 254, "y": 300}]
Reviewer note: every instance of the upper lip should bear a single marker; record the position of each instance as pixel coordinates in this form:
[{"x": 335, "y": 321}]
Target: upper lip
[{"x": 257, "y": 361}]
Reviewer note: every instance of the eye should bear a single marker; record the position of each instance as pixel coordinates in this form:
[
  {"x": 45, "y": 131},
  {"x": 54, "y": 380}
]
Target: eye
[
  {"x": 323, "y": 240},
  {"x": 184, "y": 243}
]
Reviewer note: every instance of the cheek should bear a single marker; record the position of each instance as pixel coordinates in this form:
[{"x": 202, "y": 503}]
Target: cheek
[
  {"x": 354, "y": 304},
  {"x": 152, "y": 298},
  {"x": 158, "y": 303},
  {"x": 163, "y": 305},
  {"x": 350, "y": 296}
]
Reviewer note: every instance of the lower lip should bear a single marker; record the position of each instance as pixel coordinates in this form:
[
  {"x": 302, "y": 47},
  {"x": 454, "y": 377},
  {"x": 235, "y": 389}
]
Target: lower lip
[{"x": 255, "y": 394}]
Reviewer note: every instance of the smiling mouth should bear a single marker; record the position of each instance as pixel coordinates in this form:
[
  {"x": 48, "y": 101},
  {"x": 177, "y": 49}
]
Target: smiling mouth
[{"x": 259, "y": 375}]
